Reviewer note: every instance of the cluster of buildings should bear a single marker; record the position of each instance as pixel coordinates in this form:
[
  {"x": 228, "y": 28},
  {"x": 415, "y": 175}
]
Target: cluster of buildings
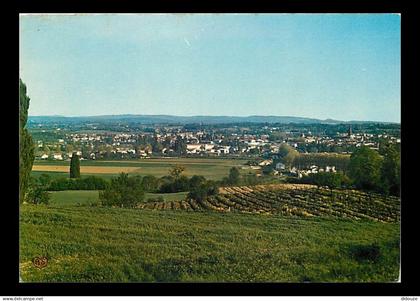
[{"x": 215, "y": 142}]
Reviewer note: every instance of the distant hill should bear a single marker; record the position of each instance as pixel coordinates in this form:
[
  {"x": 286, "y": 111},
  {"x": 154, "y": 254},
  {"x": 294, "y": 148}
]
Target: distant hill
[{"x": 154, "y": 119}]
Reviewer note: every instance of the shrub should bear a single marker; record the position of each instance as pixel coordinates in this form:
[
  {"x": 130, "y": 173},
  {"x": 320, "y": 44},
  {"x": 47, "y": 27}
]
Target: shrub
[
  {"x": 150, "y": 183},
  {"x": 203, "y": 191},
  {"x": 37, "y": 195},
  {"x": 88, "y": 183},
  {"x": 123, "y": 191},
  {"x": 196, "y": 181},
  {"x": 171, "y": 184}
]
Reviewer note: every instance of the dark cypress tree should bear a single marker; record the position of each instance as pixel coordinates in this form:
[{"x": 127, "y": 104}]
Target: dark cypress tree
[
  {"x": 75, "y": 166},
  {"x": 26, "y": 146}
]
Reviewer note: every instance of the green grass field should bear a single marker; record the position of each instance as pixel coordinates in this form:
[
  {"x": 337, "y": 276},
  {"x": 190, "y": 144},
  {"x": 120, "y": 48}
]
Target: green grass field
[
  {"x": 86, "y": 197},
  {"x": 95, "y": 244},
  {"x": 211, "y": 168},
  {"x": 73, "y": 197}
]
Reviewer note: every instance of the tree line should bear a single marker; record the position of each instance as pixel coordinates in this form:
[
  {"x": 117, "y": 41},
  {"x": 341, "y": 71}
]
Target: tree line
[{"x": 367, "y": 170}]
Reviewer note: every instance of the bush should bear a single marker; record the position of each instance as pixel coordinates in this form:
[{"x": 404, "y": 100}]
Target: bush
[
  {"x": 88, "y": 183},
  {"x": 196, "y": 181},
  {"x": 123, "y": 191},
  {"x": 203, "y": 191},
  {"x": 150, "y": 183},
  {"x": 37, "y": 195},
  {"x": 172, "y": 185}
]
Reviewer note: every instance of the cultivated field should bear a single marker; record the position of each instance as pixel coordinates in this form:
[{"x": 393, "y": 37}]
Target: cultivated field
[
  {"x": 295, "y": 200},
  {"x": 74, "y": 197},
  {"x": 214, "y": 169},
  {"x": 88, "y": 169},
  {"x": 263, "y": 233}
]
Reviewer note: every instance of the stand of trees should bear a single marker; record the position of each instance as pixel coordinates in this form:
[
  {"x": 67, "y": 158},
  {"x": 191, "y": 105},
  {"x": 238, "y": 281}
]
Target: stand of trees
[
  {"x": 371, "y": 171},
  {"x": 367, "y": 170},
  {"x": 123, "y": 191},
  {"x": 203, "y": 190},
  {"x": 390, "y": 178}
]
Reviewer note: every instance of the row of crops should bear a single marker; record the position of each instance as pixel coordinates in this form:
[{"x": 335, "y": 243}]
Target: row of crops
[{"x": 297, "y": 201}]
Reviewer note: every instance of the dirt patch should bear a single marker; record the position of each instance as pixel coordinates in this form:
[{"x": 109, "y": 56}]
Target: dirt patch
[{"x": 88, "y": 169}]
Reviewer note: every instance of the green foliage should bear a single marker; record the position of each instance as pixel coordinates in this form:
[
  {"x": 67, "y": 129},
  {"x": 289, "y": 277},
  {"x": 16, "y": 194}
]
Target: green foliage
[
  {"x": 44, "y": 180},
  {"x": 171, "y": 184},
  {"x": 329, "y": 179},
  {"x": 287, "y": 154},
  {"x": 277, "y": 136},
  {"x": 86, "y": 183},
  {"x": 391, "y": 171},
  {"x": 364, "y": 168},
  {"x": 26, "y": 146},
  {"x": 181, "y": 183},
  {"x": 234, "y": 177},
  {"x": 123, "y": 191},
  {"x": 196, "y": 181},
  {"x": 203, "y": 191},
  {"x": 180, "y": 146},
  {"x": 23, "y": 104},
  {"x": 176, "y": 171},
  {"x": 37, "y": 195},
  {"x": 150, "y": 183},
  {"x": 75, "y": 166},
  {"x": 268, "y": 170}
]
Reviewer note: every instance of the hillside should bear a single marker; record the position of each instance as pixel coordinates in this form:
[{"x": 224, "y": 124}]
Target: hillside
[{"x": 94, "y": 244}]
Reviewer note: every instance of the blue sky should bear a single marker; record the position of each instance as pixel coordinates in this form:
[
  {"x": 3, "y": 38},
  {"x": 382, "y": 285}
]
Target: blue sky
[{"x": 340, "y": 66}]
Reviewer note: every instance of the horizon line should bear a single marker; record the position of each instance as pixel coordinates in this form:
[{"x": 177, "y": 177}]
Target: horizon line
[{"x": 240, "y": 116}]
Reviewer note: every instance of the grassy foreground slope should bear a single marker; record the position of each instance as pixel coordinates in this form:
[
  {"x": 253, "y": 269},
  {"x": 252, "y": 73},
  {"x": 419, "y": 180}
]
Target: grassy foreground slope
[{"x": 94, "y": 244}]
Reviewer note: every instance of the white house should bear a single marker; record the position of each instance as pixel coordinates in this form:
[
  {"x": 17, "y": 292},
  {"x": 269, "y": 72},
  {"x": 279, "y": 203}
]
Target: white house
[
  {"x": 265, "y": 162},
  {"x": 280, "y": 166},
  {"x": 44, "y": 156},
  {"x": 223, "y": 150},
  {"x": 330, "y": 169},
  {"x": 193, "y": 148},
  {"x": 58, "y": 157}
]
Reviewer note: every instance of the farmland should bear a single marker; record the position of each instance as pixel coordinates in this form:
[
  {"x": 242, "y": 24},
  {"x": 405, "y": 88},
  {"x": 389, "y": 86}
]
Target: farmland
[
  {"x": 294, "y": 200},
  {"x": 73, "y": 197},
  {"x": 89, "y": 197},
  {"x": 210, "y": 168},
  {"x": 280, "y": 233},
  {"x": 95, "y": 244}
]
